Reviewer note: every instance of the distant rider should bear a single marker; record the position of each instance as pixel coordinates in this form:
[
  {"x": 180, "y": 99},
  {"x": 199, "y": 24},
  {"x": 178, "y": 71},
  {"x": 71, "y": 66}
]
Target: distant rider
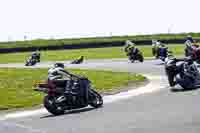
[
  {"x": 128, "y": 46},
  {"x": 36, "y": 55},
  {"x": 190, "y": 39},
  {"x": 163, "y": 50},
  {"x": 134, "y": 50},
  {"x": 190, "y": 45},
  {"x": 155, "y": 43},
  {"x": 155, "y": 46},
  {"x": 80, "y": 59}
]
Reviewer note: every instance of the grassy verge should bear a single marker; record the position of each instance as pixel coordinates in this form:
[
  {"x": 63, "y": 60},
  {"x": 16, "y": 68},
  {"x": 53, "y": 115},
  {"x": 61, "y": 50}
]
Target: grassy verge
[
  {"x": 94, "y": 53},
  {"x": 60, "y": 42},
  {"x": 16, "y": 90}
]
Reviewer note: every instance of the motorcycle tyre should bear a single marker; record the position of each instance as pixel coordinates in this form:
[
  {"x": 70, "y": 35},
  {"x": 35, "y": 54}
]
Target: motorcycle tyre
[
  {"x": 187, "y": 83},
  {"x": 52, "y": 108},
  {"x": 141, "y": 58},
  {"x": 171, "y": 81},
  {"x": 95, "y": 97}
]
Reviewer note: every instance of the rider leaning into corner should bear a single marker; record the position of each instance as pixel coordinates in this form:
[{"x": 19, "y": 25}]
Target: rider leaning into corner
[
  {"x": 80, "y": 58},
  {"x": 192, "y": 49},
  {"x": 155, "y": 45},
  {"x": 189, "y": 42},
  {"x": 36, "y": 55},
  {"x": 59, "y": 77},
  {"x": 190, "y": 45},
  {"x": 62, "y": 78},
  {"x": 130, "y": 48},
  {"x": 163, "y": 49}
]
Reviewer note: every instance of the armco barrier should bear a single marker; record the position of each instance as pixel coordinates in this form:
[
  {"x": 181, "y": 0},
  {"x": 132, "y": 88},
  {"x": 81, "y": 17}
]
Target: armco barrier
[{"x": 84, "y": 45}]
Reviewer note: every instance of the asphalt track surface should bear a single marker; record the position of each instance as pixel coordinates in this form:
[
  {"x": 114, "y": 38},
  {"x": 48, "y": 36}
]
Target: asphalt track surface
[{"x": 162, "y": 111}]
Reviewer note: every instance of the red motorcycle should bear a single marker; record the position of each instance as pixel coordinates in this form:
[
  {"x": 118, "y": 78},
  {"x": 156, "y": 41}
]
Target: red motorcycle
[
  {"x": 196, "y": 55},
  {"x": 78, "y": 94}
]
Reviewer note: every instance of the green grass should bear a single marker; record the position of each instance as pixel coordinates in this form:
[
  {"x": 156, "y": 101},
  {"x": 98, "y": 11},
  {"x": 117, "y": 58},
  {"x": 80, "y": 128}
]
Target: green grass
[
  {"x": 93, "y": 53},
  {"x": 60, "y": 42},
  {"x": 16, "y": 90}
]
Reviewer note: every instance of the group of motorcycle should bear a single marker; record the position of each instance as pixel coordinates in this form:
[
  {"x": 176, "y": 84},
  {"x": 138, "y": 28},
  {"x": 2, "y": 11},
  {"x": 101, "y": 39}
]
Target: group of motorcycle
[
  {"x": 35, "y": 58},
  {"x": 80, "y": 94},
  {"x": 159, "y": 50},
  {"x": 184, "y": 72}
]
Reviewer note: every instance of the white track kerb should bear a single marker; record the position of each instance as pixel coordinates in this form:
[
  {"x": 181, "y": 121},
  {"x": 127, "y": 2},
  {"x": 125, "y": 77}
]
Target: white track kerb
[{"x": 153, "y": 86}]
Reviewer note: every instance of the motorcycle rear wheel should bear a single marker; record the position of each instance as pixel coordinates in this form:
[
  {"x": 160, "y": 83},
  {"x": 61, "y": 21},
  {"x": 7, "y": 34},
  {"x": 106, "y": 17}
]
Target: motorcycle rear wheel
[{"x": 187, "y": 83}]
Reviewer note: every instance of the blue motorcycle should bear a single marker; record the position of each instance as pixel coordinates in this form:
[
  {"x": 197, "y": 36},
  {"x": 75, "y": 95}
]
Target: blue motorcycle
[
  {"x": 183, "y": 72},
  {"x": 164, "y": 53}
]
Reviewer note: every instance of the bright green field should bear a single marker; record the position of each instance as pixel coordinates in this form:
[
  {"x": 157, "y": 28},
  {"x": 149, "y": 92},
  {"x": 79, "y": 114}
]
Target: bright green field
[
  {"x": 16, "y": 89},
  {"x": 93, "y": 53}
]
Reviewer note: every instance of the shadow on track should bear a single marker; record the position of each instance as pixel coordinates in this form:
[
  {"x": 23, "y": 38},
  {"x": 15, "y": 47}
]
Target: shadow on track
[
  {"x": 76, "y": 111},
  {"x": 160, "y": 64},
  {"x": 183, "y": 90}
]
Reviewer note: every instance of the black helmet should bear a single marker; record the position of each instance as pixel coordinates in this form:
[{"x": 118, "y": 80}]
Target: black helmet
[{"x": 59, "y": 65}]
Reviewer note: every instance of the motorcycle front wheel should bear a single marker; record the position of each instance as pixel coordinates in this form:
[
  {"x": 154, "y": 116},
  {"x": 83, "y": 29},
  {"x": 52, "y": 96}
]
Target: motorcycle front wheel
[
  {"x": 96, "y": 99},
  {"x": 50, "y": 105},
  {"x": 171, "y": 79},
  {"x": 141, "y": 58},
  {"x": 131, "y": 59}
]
